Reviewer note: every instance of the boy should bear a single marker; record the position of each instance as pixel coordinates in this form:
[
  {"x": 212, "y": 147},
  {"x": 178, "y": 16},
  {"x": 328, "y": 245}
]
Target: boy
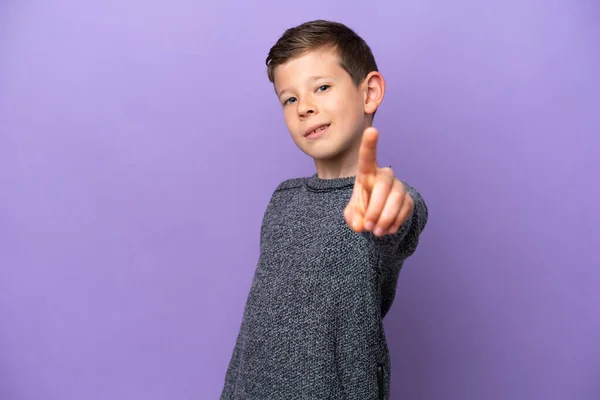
[{"x": 332, "y": 244}]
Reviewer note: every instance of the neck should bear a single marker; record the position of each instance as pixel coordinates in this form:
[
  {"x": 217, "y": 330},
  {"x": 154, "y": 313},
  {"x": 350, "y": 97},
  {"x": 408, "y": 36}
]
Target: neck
[{"x": 342, "y": 165}]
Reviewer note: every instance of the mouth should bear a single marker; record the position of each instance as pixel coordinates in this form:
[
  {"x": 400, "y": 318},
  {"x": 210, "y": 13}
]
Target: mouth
[{"x": 316, "y": 131}]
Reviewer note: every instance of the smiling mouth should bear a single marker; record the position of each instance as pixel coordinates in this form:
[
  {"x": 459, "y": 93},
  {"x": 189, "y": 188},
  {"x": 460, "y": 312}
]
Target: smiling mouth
[{"x": 317, "y": 132}]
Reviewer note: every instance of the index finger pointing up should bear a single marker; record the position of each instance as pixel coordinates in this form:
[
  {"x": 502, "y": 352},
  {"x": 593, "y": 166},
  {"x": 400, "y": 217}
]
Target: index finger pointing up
[{"x": 367, "y": 155}]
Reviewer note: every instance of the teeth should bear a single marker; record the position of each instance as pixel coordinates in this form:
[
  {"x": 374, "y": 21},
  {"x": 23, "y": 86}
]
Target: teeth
[{"x": 320, "y": 129}]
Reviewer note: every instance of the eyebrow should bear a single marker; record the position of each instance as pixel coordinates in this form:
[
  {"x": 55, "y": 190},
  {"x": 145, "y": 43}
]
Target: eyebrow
[
  {"x": 310, "y": 78},
  {"x": 317, "y": 77}
]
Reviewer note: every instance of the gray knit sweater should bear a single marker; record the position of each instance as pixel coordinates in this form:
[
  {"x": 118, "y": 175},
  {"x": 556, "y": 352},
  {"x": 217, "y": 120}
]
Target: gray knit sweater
[{"x": 312, "y": 327}]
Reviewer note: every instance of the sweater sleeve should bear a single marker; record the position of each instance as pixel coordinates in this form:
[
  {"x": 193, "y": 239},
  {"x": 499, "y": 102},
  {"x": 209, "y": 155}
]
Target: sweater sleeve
[{"x": 402, "y": 244}]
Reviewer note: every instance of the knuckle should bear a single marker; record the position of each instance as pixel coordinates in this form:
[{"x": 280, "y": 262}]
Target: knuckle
[{"x": 385, "y": 220}]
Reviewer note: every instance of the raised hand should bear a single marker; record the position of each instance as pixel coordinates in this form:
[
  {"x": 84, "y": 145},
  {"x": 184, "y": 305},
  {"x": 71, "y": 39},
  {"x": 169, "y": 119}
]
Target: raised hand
[{"x": 379, "y": 202}]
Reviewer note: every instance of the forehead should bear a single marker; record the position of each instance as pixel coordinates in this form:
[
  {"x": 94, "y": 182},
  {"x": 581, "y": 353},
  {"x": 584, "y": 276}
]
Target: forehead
[{"x": 313, "y": 63}]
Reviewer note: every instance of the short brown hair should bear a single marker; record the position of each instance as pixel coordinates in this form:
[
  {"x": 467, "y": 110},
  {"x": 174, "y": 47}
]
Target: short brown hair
[{"x": 354, "y": 53}]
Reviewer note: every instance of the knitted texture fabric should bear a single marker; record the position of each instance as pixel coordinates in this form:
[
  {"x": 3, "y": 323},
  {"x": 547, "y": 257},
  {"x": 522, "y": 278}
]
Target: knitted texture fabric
[{"x": 313, "y": 322}]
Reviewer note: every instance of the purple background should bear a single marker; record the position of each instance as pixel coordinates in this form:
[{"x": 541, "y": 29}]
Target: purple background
[{"x": 141, "y": 141}]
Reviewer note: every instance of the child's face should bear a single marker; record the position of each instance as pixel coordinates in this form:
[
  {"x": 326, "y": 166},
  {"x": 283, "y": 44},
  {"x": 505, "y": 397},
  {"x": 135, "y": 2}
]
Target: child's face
[{"x": 315, "y": 90}]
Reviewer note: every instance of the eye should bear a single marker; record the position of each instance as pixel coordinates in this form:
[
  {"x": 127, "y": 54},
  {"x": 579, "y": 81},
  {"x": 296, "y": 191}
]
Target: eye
[
  {"x": 289, "y": 101},
  {"x": 323, "y": 88}
]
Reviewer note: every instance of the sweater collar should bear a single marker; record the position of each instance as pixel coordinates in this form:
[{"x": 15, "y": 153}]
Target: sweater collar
[{"x": 316, "y": 183}]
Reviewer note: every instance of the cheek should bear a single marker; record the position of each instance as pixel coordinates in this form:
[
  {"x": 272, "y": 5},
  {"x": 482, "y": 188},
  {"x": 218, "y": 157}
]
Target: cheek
[
  {"x": 347, "y": 103},
  {"x": 291, "y": 121},
  {"x": 289, "y": 116},
  {"x": 350, "y": 110},
  {"x": 337, "y": 104}
]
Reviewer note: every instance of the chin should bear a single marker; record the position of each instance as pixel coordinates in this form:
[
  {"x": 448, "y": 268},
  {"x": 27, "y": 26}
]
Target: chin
[
  {"x": 325, "y": 153},
  {"x": 324, "y": 148}
]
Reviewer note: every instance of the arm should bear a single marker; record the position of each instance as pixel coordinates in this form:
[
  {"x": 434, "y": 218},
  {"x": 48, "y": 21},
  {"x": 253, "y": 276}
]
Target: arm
[
  {"x": 385, "y": 210},
  {"x": 403, "y": 243}
]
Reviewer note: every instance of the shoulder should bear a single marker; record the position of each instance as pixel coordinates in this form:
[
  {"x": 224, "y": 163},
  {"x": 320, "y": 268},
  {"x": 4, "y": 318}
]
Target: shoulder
[
  {"x": 287, "y": 190},
  {"x": 292, "y": 183},
  {"x": 285, "y": 193}
]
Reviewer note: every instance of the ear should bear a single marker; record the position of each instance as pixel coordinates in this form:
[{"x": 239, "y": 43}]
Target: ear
[{"x": 374, "y": 86}]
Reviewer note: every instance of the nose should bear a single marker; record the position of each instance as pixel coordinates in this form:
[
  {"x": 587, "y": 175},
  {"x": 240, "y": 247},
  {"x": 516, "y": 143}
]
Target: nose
[{"x": 306, "y": 108}]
